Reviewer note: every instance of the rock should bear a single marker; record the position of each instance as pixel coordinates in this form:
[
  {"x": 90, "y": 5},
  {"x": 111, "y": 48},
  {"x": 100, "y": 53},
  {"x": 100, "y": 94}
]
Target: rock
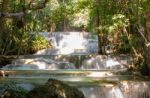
[
  {"x": 13, "y": 94},
  {"x": 55, "y": 89}
]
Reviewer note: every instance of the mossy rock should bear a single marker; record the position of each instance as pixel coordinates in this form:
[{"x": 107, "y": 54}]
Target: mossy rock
[
  {"x": 55, "y": 89},
  {"x": 13, "y": 94}
]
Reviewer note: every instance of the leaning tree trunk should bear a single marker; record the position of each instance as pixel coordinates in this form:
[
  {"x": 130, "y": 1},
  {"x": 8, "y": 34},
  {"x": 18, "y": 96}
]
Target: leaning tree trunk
[
  {"x": 147, "y": 46},
  {"x": 145, "y": 69}
]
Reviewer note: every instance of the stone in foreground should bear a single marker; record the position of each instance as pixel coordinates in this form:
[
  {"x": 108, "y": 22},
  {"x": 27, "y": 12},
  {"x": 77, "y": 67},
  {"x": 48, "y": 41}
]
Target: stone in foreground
[{"x": 55, "y": 89}]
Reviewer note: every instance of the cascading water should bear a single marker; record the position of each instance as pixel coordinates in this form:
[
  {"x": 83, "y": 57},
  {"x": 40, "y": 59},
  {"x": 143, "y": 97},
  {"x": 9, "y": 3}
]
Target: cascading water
[
  {"x": 124, "y": 90},
  {"x": 74, "y": 59},
  {"x": 38, "y": 64},
  {"x": 102, "y": 92},
  {"x": 73, "y": 50},
  {"x": 70, "y": 43},
  {"x": 135, "y": 89}
]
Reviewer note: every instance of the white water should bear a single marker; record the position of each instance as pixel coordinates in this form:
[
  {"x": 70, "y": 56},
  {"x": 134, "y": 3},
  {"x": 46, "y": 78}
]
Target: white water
[
  {"x": 68, "y": 62},
  {"x": 124, "y": 90},
  {"x": 105, "y": 62},
  {"x": 38, "y": 64},
  {"x": 76, "y": 43},
  {"x": 71, "y": 42},
  {"x": 135, "y": 89}
]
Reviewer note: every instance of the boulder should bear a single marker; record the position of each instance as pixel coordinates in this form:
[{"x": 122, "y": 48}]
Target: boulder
[{"x": 55, "y": 89}]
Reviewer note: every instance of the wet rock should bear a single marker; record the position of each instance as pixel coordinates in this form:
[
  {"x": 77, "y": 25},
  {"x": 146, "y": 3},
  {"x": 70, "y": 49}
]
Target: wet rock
[{"x": 55, "y": 89}]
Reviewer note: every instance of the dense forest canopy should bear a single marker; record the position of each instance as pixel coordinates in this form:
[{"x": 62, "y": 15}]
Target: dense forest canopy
[{"x": 127, "y": 22}]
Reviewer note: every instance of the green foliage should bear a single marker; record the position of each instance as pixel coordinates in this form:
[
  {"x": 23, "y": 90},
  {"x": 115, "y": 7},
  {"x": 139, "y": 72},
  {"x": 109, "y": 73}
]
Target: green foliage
[
  {"x": 81, "y": 18},
  {"x": 120, "y": 21},
  {"x": 23, "y": 43},
  {"x": 100, "y": 16},
  {"x": 123, "y": 48},
  {"x": 136, "y": 41},
  {"x": 124, "y": 45},
  {"x": 145, "y": 69},
  {"x": 38, "y": 42},
  {"x": 15, "y": 35}
]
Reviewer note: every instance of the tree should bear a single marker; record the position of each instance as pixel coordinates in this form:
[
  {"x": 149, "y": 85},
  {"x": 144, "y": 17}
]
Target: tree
[{"x": 14, "y": 35}]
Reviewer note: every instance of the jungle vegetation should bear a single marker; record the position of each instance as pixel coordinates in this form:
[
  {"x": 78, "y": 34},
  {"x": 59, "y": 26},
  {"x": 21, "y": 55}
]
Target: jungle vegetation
[{"x": 125, "y": 24}]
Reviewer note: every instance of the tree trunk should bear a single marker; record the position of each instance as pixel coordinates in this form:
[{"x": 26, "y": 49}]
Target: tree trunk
[
  {"x": 3, "y": 8},
  {"x": 100, "y": 51},
  {"x": 147, "y": 35},
  {"x": 145, "y": 70}
]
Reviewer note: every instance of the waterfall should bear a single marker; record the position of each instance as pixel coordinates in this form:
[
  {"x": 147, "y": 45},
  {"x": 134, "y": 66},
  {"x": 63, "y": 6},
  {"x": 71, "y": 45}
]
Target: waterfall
[
  {"x": 74, "y": 60},
  {"x": 126, "y": 90},
  {"x": 135, "y": 89},
  {"x": 97, "y": 92},
  {"x": 71, "y": 42}
]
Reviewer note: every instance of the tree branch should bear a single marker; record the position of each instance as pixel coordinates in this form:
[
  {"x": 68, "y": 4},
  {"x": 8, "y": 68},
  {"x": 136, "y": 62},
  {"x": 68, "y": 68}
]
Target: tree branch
[
  {"x": 27, "y": 10},
  {"x": 11, "y": 15}
]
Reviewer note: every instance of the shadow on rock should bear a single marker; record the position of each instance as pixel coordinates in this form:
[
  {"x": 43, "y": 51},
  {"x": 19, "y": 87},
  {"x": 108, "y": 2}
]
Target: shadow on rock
[{"x": 55, "y": 89}]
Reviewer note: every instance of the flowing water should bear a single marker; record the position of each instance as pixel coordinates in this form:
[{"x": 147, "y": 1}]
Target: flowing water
[{"x": 74, "y": 60}]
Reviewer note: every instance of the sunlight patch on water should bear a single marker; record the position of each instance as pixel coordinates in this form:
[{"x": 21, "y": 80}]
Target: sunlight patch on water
[
  {"x": 41, "y": 65},
  {"x": 99, "y": 74}
]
